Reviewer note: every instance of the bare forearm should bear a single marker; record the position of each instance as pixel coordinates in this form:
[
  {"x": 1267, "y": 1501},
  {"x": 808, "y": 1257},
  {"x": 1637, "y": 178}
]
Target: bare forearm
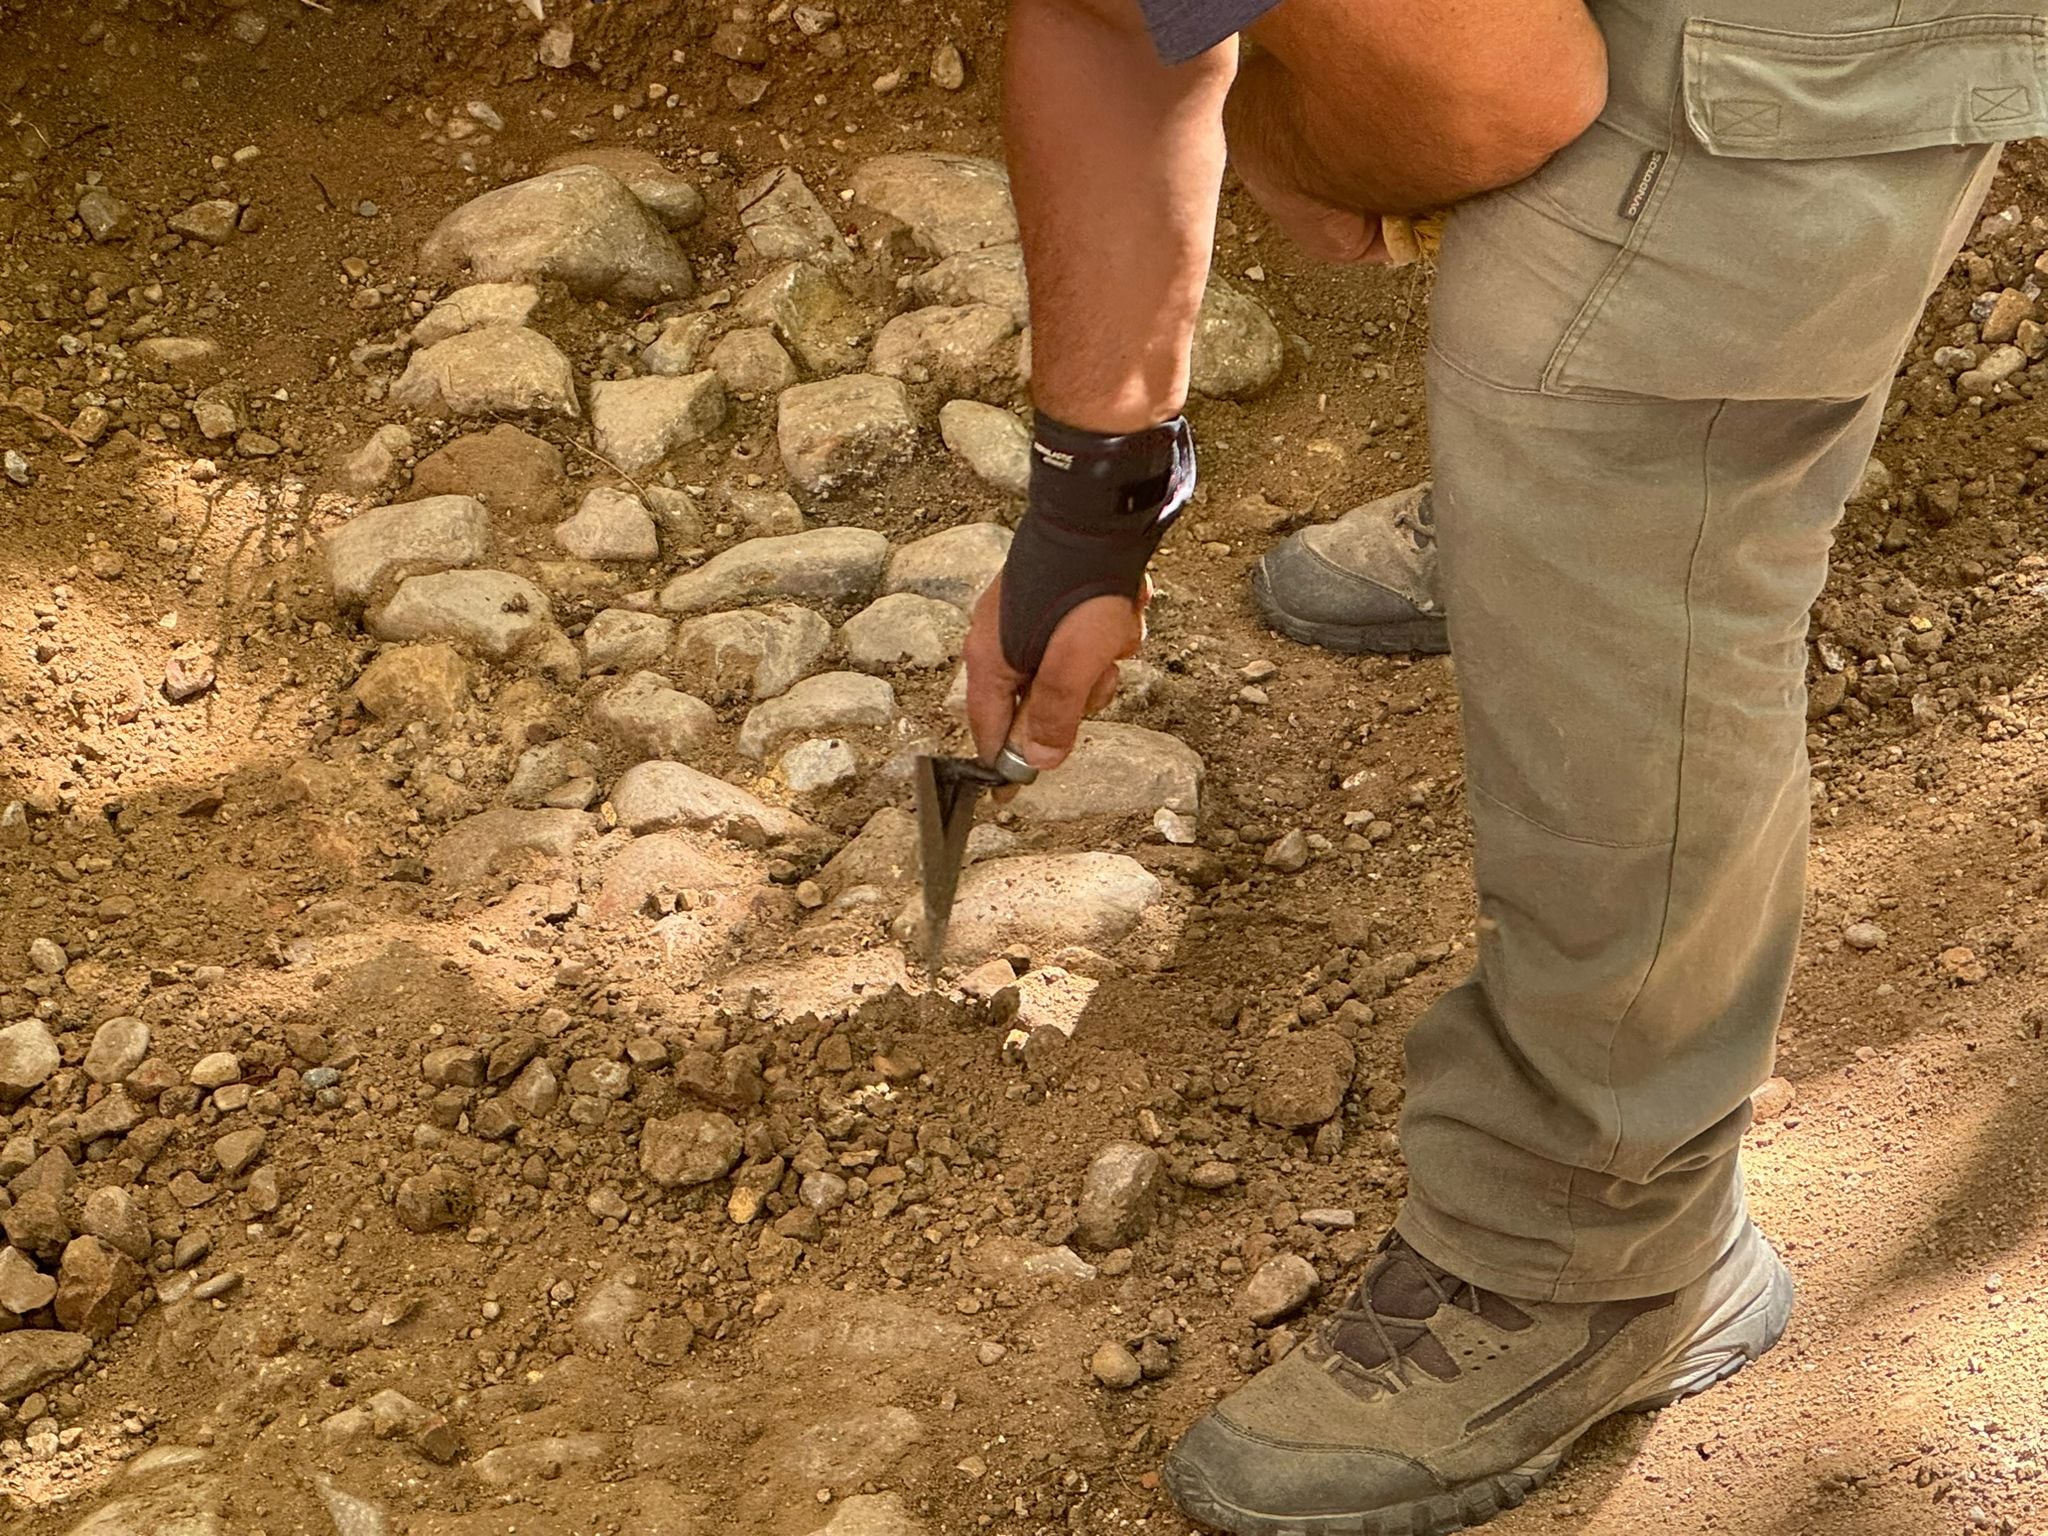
[
  {"x": 1401, "y": 109},
  {"x": 1115, "y": 164}
]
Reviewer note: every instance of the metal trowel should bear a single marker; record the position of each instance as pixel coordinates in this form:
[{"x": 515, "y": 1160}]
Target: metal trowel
[{"x": 947, "y": 789}]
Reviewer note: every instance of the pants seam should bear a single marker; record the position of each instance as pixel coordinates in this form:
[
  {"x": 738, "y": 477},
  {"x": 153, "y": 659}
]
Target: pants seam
[
  {"x": 1685, "y": 704},
  {"x": 1549, "y": 831}
]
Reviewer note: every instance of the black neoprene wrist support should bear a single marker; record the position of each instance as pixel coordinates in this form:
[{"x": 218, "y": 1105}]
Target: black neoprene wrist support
[{"x": 1097, "y": 510}]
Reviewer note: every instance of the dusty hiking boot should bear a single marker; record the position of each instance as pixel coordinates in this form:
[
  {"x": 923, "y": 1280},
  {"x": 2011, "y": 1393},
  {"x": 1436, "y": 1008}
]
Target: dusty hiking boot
[
  {"x": 1426, "y": 1404},
  {"x": 1366, "y": 582}
]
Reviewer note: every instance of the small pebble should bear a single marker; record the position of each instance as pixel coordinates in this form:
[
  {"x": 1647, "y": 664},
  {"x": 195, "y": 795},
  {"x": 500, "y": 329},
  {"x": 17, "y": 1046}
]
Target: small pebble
[{"x": 1116, "y": 1367}]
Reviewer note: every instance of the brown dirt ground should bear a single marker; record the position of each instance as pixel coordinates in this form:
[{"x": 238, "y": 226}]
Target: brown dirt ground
[{"x": 1905, "y": 1184}]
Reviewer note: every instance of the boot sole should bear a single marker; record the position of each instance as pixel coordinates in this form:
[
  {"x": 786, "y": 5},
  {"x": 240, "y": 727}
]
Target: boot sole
[
  {"x": 1404, "y": 637},
  {"x": 1704, "y": 1361}
]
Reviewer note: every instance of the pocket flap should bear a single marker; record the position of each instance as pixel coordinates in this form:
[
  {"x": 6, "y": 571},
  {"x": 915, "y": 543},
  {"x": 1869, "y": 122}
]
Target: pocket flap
[{"x": 1753, "y": 93}]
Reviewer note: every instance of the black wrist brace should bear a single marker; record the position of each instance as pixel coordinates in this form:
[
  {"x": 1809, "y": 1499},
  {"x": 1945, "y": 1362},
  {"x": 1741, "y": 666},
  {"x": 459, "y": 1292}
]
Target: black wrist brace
[{"x": 1097, "y": 510}]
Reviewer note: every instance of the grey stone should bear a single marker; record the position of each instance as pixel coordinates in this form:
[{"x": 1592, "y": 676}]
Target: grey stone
[
  {"x": 1279, "y": 1288},
  {"x": 1289, "y": 852},
  {"x": 1865, "y": 935},
  {"x": 1116, "y": 770},
  {"x": 580, "y": 226},
  {"x": 678, "y": 348},
  {"x": 237, "y": 1151},
  {"x": 645, "y": 717},
  {"x": 1237, "y": 349},
  {"x": 212, "y": 220},
  {"x": 694, "y": 1147},
  {"x": 1045, "y": 901},
  {"x": 955, "y": 348},
  {"x": 762, "y": 513},
  {"x": 508, "y": 841},
  {"x": 104, "y": 216},
  {"x": 903, "y": 629},
  {"x": 117, "y": 1049},
  {"x": 494, "y": 611},
  {"x": 784, "y": 221},
  {"x": 176, "y": 354},
  {"x": 872, "y": 1514},
  {"x": 830, "y": 565},
  {"x": 34, "y": 1357},
  {"x": 542, "y": 771},
  {"x": 606, "y": 1314},
  {"x": 883, "y": 854},
  {"x": 94, "y": 1280},
  {"x": 350, "y": 1515},
  {"x": 951, "y": 203},
  {"x": 23, "y": 1287},
  {"x": 27, "y": 1058},
  {"x": 843, "y": 431},
  {"x": 415, "y": 682},
  {"x": 751, "y": 362},
  {"x": 500, "y": 370},
  {"x": 810, "y": 314},
  {"x": 1299, "y": 1080},
  {"x": 817, "y": 764},
  {"x": 115, "y": 1216},
  {"x": 376, "y": 463},
  {"x": 35, "y": 1222},
  {"x": 473, "y": 308},
  {"x": 406, "y": 539},
  {"x": 621, "y": 640},
  {"x": 216, "y": 1069},
  {"x": 640, "y": 422},
  {"x": 1119, "y": 1195},
  {"x": 671, "y": 197},
  {"x": 821, "y": 705},
  {"x": 609, "y": 524},
  {"x": 995, "y": 444},
  {"x": 656, "y": 797},
  {"x": 750, "y": 652},
  {"x": 991, "y": 276},
  {"x": 952, "y": 565},
  {"x": 46, "y": 957}
]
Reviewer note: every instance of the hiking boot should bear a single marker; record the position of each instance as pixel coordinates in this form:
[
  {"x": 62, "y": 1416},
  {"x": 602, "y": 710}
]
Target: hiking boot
[
  {"x": 1426, "y": 1404},
  {"x": 1366, "y": 582}
]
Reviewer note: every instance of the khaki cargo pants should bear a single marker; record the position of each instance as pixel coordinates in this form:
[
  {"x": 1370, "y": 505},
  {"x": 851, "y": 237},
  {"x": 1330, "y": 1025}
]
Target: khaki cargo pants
[{"x": 1657, "y": 369}]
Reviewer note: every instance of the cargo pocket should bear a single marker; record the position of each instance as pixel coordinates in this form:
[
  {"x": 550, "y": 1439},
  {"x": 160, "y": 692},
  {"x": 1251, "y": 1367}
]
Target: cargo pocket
[{"x": 1814, "y": 196}]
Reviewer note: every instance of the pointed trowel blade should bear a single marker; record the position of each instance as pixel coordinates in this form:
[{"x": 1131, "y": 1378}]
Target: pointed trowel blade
[{"x": 947, "y": 788}]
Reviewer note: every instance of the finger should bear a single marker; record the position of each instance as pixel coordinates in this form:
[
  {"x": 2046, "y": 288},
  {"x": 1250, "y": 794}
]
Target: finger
[
  {"x": 1057, "y": 701},
  {"x": 992, "y": 683},
  {"x": 1104, "y": 692}
]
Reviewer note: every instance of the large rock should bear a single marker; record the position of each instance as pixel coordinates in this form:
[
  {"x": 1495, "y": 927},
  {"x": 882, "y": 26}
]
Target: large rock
[
  {"x": 694, "y": 1147},
  {"x": 952, "y": 203},
  {"x": 827, "y": 565},
  {"x": 901, "y": 630},
  {"x": 658, "y": 797},
  {"x": 818, "y": 706},
  {"x": 1238, "y": 349},
  {"x": 678, "y": 347},
  {"x": 415, "y": 682},
  {"x": 1045, "y": 901},
  {"x": 995, "y": 444},
  {"x": 645, "y": 717},
  {"x": 509, "y": 842},
  {"x": 23, "y": 1287},
  {"x": 640, "y": 422},
  {"x": 117, "y": 1049},
  {"x": 784, "y": 221},
  {"x": 952, "y": 565},
  {"x": 841, "y": 431},
  {"x": 750, "y": 652},
  {"x": 610, "y": 524},
  {"x": 624, "y": 640},
  {"x": 883, "y": 854},
  {"x": 501, "y": 370},
  {"x": 751, "y": 362},
  {"x": 580, "y": 226},
  {"x": 387, "y": 543},
  {"x": 507, "y": 469},
  {"x": 473, "y": 308},
  {"x": 436, "y": 1200},
  {"x": 93, "y": 1282},
  {"x": 955, "y": 348},
  {"x": 1299, "y": 1080},
  {"x": 34, "y": 1357},
  {"x": 992, "y": 276},
  {"x": 28, "y": 1055},
  {"x": 660, "y": 863},
  {"x": 873, "y": 1514},
  {"x": 1116, "y": 770},
  {"x": 494, "y": 611},
  {"x": 1118, "y": 1196},
  {"x": 669, "y": 195},
  {"x": 810, "y": 314}
]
